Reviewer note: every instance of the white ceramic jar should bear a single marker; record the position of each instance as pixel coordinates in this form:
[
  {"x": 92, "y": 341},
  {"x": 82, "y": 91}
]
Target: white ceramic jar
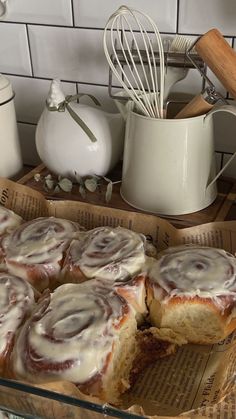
[{"x": 10, "y": 154}]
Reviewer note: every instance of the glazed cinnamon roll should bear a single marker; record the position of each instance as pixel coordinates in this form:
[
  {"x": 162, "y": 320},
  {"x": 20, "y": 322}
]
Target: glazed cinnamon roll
[
  {"x": 8, "y": 220},
  {"x": 83, "y": 333},
  {"x": 192, "y": 290},
  {"x": 16, "y": 302},
  {"x": 35, "y": 250},
  {"x": 114, "y": 254},
  {"x": 105, "y": 252}
]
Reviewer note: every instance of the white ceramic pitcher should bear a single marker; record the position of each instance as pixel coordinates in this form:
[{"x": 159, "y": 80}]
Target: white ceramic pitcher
[{"x": 169, "y": 164}]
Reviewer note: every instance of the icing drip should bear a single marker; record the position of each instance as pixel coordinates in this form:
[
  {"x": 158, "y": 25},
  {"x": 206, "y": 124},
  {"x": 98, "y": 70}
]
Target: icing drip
[{"x": 71, "y": 333}]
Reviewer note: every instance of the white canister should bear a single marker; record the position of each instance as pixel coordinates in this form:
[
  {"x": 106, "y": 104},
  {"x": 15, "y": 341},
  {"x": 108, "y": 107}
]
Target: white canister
[{"x": 10, "y": 155}]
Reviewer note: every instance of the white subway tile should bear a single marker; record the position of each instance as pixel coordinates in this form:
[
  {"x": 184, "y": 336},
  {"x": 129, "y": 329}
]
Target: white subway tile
[
  {"x": 100, "y": 93},
  {"x": 27, "y": 143},
  {"x": 218, "y": 161},
  {"x": 95, "y": 13},
  {"x": 191, "y": 84},
  {"x": 69, "y": 54},
  {"x": 197, "y": 17},
  {"x": 54, "y": 12},
  {"x": 31, "y": 95},
  {"x": 14, "y": 51},
  {"x": 225, "y": 128},
  {"x": 231, "y": 168}
]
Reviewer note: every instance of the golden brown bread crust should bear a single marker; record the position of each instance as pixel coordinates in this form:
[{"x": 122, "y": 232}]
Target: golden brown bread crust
[
  {"x": 217, "y": 325},
  {"x": 71, "y": 273},
  {"x": 40, "y": 277},
  {"x": 5, "y": 358}
]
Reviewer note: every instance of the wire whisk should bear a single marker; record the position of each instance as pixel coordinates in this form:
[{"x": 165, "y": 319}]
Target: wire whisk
[{"x": 132, "y": 44}]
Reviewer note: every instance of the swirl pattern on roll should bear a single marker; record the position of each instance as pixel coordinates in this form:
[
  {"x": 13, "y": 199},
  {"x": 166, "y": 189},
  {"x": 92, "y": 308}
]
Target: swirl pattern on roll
[
  {"x": 16, "y": 301},
  {"x": 108, "y": 253},
  {"x": 35, "y": 249},
  {"x": 8, "y": 220},
  {"x": 196, "y": 271},
  {"x": 72, "y": 334}
]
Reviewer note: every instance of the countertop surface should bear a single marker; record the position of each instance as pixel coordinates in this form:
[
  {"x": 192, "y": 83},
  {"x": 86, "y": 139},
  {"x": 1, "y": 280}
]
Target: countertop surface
[{"x": 222, "y": 209}]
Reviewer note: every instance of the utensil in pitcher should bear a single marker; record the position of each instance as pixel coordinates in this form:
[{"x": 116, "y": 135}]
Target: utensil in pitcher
[{"x": 134, "y": 61}]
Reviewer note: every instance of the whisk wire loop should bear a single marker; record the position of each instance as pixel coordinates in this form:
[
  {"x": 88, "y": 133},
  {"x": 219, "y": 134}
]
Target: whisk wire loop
[
  {"x": 139, "y": 76},
  {"x": 139, "y": 85},
  {"x": 129, "y": 90},
  {"x": 129, "y": 60}
]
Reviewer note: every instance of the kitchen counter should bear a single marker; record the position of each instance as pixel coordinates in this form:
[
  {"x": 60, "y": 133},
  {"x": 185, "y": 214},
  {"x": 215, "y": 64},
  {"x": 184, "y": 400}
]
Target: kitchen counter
[{"x": 222, "y": 209}]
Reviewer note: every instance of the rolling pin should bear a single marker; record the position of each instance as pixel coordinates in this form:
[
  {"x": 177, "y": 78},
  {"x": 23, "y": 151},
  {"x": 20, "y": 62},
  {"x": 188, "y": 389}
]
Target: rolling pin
[
  {"x": 199, "y": 105},
  {"x": 221, "y": 59}
]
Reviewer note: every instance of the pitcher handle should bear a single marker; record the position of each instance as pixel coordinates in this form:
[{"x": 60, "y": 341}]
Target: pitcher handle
[
  {"x": 221, "y": 108},
  {"x": 124, "y": 106}
]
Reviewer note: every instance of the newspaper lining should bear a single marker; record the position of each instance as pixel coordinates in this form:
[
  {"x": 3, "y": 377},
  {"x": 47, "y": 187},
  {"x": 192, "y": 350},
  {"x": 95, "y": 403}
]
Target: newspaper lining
[{"x": 197, "y": 381}]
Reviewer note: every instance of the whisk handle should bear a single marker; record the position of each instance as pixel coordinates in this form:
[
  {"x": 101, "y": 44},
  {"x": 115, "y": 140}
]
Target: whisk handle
[
  {"x": 197, "y": 106},
  {"x": 220, "y": 58}
]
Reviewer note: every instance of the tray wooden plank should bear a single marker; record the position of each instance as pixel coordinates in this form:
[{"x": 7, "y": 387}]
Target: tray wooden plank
[{"x": 224, "y": 207}]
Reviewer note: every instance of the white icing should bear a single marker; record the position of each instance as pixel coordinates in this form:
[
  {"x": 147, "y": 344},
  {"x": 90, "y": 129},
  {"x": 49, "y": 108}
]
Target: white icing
[
  {"x": 16, "y": 298},
  {"x": 134, "y": 292},
  {"x": 195, "y": 271},
  {"x": 39, "y": 241},
  {"x": 79, "y": 325},
  {"x": 8, "y": 220},
  {"x": 108, "y": 253}
]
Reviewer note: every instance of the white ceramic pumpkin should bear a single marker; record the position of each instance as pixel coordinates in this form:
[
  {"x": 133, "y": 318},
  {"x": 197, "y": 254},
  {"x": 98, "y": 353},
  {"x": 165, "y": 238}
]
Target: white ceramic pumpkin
[{"x": 66, "y": 148}]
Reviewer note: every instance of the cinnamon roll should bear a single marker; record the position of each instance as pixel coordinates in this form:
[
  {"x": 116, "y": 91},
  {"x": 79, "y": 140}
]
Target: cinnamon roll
[
  {"x": 83, "y": 333},
  {"x": 114, "y": 254},
  {"x": 192, "y": 290},
  {"x": 134, "y": 292},
  {"x": 35, "y": 250},
  {"x": 16, "y": 302},
  {"x": 8, "y": 220}
]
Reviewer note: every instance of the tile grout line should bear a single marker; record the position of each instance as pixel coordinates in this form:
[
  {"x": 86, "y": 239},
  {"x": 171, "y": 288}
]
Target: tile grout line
[
  {"x": 29, "y": 49},
  {"x": 177, "y": 16},
  {"x": 73, "y": 14}
]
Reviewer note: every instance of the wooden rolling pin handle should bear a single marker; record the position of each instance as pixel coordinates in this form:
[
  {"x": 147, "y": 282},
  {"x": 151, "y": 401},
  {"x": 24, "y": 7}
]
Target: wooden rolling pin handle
[
  {"x": 220, "y": 58},
  {"x": 197, "y": 106}
]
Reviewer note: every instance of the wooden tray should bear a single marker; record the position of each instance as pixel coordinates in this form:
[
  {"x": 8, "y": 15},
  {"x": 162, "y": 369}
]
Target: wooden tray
[{"x": 224, "y": 207}]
